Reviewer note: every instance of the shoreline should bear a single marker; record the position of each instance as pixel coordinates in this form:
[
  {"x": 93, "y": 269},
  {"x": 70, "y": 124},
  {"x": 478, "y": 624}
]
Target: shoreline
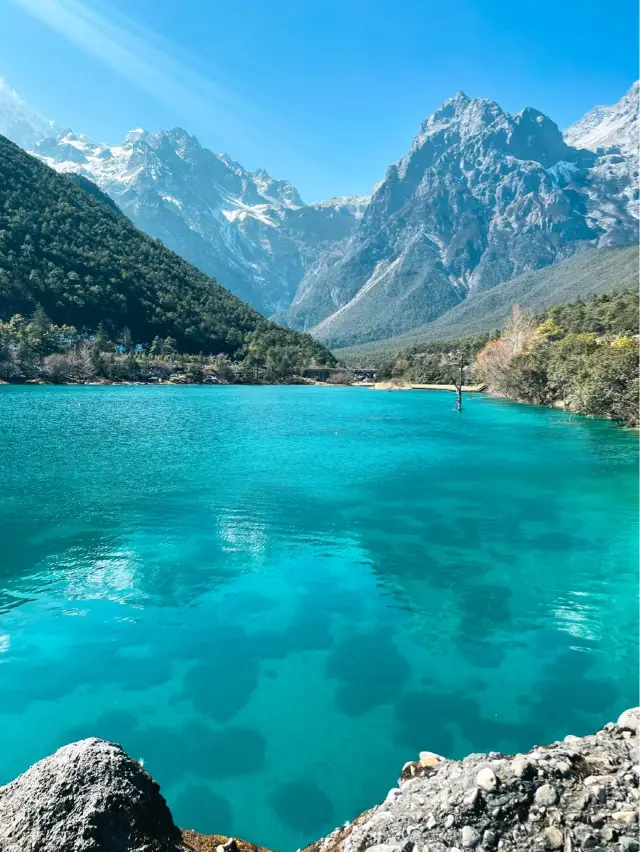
[{"x": 575, "y": 793}]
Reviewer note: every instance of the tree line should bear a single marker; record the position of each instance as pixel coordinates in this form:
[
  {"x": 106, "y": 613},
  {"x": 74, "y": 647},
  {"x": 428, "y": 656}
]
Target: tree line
[
  {"x": 582, "y": 355},
  {"x": 69, "y": 260}
]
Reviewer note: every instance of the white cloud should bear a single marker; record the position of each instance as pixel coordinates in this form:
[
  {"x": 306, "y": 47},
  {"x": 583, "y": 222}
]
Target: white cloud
[{"x": 140, "y": 55}]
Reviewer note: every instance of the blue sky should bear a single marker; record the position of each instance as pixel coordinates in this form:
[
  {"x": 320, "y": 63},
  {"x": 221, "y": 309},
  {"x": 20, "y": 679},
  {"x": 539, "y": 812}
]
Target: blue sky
[{"x": 325, "y": 93}]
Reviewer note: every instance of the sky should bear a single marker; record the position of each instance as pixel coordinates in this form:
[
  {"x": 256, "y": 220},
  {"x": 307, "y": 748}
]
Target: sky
[{"x": 325, "y": 93}]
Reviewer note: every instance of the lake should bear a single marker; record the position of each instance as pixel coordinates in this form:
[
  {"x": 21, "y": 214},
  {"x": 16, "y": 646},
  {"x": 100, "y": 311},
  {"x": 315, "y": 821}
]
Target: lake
[{"x": 275, "y": 596}]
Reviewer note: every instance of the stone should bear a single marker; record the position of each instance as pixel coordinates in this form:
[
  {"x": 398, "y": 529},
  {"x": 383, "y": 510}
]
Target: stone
[
  {"x": 471, "y": 797},
  {"x": 486, "y": 779},
  {"x": 431, "y": 822},
  {"x": 630, "y": 719},
  {"x": 563, "y": 768},
  {"x": 470, "y": 837},
  {"x": 430, "y": 758},
  {"x": 489, "y": 838},
  {"x": 384, "y": 847},
  {"x": 628, "y": 844},
  {"x": 546, "y": 796},
  {"x": 609, "y": 834},
  {"x": 449, "y": 821},
  {"x": 86, "y": 796},
  {"x": 522, "y": 767},
  {"x": 626, "y": 817},
  {"x": 553, "y": 837}
]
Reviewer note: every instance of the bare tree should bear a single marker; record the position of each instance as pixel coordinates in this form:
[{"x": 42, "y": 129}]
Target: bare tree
[{"x": 493, "y": 361}]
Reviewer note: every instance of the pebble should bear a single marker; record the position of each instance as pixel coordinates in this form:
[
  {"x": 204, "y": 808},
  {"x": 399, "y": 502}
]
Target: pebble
[
  {"x": 449, "y": 821},
  {"x": 627, "y": 817},
  {"x": 553, "y": 838},
  {"x": 470, "y": 837},
  {"x": 431, "y": 823},
  {"x": 489, "y": 838},
  {"x": 628, "y": 844},
  {"x": 520, "y": 766},
  {"x": 486, "y": 779},
  {"x": 430, "y": 758},
  {"x": 563, "y": 768},
  {"x": 546, "y": 796},
  {"x": 471, "y": 797}
]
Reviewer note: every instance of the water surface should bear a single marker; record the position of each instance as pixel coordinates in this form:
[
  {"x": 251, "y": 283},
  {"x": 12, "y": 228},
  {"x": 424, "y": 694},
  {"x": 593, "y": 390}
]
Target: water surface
[{"x": 276, "y": 596}]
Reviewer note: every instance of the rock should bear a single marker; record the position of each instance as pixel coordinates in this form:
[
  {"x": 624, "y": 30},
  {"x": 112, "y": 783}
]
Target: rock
[
  {"x": 522, "y": 767},
  {"x": 470, "y": 837},
  {"x": 546, "y": 796},
  {"x": 609, "y": 834},
  {"x": 87, "y": 796},
  {"x": 449, "y": 821},
  {"x": 489, "y": 838},
  {"x": 384, "y": 847},
  {"x": 430, "y": 758},
  {"x": 553, "y": 838},
  {"x": 628, "y": 844},
  {"x": 486, "y": 779},
  {"x": 626, "y": 817},
  {"x": 630, "y": 719}
]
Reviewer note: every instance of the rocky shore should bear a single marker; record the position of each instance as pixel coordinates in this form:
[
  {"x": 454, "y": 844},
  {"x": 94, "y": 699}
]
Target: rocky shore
[{"x": 581, "y": 793}]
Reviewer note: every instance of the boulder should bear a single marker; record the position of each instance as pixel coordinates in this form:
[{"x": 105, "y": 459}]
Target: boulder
[{"x": 87, "y": 797}]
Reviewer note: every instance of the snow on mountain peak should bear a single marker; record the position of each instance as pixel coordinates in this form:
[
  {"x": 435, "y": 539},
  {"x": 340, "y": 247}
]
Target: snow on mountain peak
[
  {"x": 20, "y": 123},
  {"x": 610, "y": 126}
]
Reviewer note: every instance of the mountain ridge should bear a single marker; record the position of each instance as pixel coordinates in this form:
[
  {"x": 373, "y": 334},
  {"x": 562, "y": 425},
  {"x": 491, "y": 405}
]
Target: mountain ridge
[
  {"x": 68, "y": 251},
  {"x": 481, "y": 196}
]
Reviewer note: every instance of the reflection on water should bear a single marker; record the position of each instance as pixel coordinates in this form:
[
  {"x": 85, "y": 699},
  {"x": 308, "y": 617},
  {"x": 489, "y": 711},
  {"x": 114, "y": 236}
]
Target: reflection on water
[{"x": 260, "y": 591}]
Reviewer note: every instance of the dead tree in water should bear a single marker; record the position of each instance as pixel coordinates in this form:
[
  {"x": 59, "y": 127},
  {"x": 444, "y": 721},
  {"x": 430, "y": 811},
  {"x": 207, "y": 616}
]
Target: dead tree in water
[{"x": 459, "y": 381}]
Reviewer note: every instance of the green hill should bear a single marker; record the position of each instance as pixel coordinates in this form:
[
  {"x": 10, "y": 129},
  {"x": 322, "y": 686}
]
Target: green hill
[
  {"x": 583, "y": 275},
  {"x": 65, "y": 247}
]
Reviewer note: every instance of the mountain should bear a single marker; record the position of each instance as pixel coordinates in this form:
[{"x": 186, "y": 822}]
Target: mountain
[
  {"x": 585, "y": 274},
  {"x": 614, "y": 126},
  {"x": 63, "y": 246},
  {"x": 482, "y": 197},
  {"x": 249, "y": 230},
  {"x": 19, "y": 123}
]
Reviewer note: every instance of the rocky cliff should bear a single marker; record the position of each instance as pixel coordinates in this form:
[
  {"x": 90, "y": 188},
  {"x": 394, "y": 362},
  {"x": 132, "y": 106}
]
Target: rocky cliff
[
  {"x": 581, "y": 793},
  {"x": 481, "y": 197}
]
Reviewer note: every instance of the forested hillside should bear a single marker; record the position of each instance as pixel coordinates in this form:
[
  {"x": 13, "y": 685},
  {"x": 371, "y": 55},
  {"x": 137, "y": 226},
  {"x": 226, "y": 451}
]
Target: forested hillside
[
  {"x": 66, "y": 249},
  {"x": 582, "y": 354},
  {"x": 585, "y": 274}
]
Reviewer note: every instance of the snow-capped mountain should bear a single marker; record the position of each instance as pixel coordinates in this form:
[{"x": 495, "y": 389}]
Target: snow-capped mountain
[
  {"x": 19, "y": 123},
  {"x": 250, "y": 231},
  {"x": 481, "y": 197},
  {"x": 614, "y": 126}
]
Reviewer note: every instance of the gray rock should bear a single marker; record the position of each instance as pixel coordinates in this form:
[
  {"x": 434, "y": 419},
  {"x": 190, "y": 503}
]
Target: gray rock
[
  {"x": 470, "y": 837},
  {"x": 384, "y": 847},
  {"x": 546, "y": 796},
  {"x": 86, "y": 797},
  {"x": 486, "y": 779},
  {"x": 553, "y": 837},
  {"x": 630, "y": 719}
]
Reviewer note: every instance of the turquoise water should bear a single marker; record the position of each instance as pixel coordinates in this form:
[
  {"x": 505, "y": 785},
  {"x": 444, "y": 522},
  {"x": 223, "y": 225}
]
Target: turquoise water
[{"x": 276, "y": 596}]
